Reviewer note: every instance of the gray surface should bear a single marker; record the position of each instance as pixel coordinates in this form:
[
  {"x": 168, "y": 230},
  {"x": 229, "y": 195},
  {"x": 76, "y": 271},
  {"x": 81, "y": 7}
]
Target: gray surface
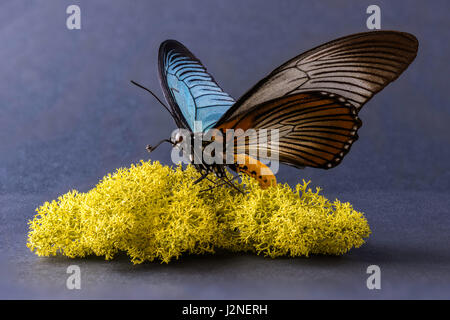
[{"x": 69, "y": 116}]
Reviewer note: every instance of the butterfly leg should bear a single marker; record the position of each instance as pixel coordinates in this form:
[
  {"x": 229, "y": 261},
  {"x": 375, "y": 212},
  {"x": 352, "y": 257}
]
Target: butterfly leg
[
  {"x": 217, "y": 184},
  {"x": 203, "y": 176},
  {"x": 230, "y": 182}
]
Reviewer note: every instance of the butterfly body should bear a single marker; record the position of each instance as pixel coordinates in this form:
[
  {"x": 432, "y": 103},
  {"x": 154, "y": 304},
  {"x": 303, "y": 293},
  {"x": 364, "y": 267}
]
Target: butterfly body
[{"x": 312, "y": 102}]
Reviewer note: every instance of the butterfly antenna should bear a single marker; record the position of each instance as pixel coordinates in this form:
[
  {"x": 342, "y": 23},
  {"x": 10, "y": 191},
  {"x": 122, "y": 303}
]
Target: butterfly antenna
[
  {"x": 154, "y": 95},
  {"x": 150, "y": 148}
]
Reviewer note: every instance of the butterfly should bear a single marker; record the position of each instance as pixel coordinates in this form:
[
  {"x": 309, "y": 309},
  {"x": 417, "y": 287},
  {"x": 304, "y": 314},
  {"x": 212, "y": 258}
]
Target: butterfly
[{"x": 313, "y": 100}]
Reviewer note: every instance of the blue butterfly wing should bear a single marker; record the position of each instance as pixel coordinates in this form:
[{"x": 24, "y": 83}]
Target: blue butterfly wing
[{"x": 196, "y": 99}]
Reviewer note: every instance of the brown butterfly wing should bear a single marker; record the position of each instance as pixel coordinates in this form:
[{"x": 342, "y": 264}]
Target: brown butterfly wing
[
  {"x": 315, "y": 130},
  {"x": 354, "y": 67},
  {"x": 313, "y": 99}
]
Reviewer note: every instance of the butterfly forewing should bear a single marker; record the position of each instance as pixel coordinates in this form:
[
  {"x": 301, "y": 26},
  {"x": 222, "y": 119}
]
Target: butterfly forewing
[
  {"x": 354, "y": 67},
  {"x": 192, "y": 92}
]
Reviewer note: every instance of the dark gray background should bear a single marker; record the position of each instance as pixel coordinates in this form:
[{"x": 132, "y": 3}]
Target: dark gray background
[{"x": 69, "y": 116}]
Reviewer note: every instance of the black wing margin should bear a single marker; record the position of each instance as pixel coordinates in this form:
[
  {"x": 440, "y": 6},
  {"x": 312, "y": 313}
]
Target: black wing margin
[{"x": 315, "y": 129}]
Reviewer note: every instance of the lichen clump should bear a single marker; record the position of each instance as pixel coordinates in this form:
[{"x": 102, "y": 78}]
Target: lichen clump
[{"x": 155, "y": 212}]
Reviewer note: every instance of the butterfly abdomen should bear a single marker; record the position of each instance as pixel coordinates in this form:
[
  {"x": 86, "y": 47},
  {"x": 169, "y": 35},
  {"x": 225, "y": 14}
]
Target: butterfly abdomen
[{"x": 255, "y": 169}]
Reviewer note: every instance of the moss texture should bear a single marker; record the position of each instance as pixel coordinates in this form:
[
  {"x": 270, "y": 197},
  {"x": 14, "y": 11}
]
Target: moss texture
[{"x": 155, "y": 212}]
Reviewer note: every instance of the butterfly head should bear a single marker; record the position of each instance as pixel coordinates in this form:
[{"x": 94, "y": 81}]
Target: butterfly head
[
  {"x": 183, "y": 139},
  {"x": 178, "y": 137}
]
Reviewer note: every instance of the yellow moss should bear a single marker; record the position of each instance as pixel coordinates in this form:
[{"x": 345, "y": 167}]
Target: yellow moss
[{"x": 151, "y": 211}]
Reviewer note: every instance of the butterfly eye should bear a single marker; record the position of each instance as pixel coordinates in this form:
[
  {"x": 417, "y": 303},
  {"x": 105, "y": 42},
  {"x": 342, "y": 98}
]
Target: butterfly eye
[{"x": 178, "y": 138}]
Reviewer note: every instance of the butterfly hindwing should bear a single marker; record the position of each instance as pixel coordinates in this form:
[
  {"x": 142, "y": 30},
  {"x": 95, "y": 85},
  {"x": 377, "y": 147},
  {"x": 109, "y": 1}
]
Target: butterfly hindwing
[
  {"x": 191, "y": 91},
  {"x": 315, "y": 129}
]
